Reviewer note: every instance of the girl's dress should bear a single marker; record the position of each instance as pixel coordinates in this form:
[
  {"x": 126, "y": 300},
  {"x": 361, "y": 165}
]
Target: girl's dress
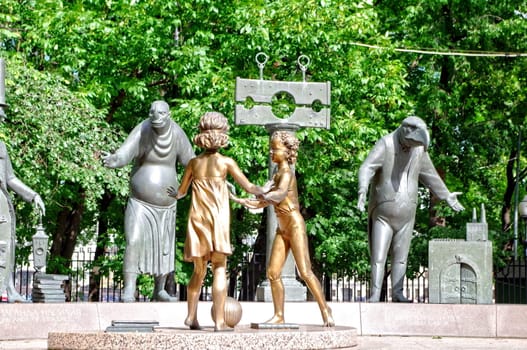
[{"x": 208, "y": 227}]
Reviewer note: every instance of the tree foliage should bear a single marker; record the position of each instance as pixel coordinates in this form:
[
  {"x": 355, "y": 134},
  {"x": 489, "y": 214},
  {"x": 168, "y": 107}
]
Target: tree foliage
[{"x": 53, "y": 138}]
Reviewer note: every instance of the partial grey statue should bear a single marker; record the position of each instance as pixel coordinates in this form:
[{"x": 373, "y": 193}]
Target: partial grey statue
[
  {"x": 394, "y": 168},
  {"x": 155, "y": 146},
  {"x": 9, "y": 181}
]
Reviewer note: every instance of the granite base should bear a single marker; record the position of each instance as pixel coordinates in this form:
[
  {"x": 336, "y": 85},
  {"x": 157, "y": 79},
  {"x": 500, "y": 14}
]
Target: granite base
[{"x": 243, "y": 337}]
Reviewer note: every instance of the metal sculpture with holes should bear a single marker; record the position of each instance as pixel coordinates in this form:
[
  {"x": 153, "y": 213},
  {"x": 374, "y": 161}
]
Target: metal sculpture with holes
[{"x": 254, "y": 98}]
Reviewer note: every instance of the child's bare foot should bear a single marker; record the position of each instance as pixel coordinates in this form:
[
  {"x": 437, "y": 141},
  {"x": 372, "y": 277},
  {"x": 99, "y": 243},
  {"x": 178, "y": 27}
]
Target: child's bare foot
[
  {"x": 276, "y": 319},
  {"x": 222, "y": 328},
  {"x": 328, "y": 318},
  {"x": 192, "y": 324}
]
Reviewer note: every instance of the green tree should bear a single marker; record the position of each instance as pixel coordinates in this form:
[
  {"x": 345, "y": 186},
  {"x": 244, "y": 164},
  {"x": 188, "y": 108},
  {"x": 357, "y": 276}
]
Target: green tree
[{"x": 52, "y": 136}]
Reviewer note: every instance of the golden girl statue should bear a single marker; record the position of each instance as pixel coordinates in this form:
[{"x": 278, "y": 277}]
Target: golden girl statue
[{"x": 208, "y": 231}]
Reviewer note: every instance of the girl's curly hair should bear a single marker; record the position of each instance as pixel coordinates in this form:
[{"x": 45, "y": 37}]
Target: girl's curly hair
[{"x": 213, "y": 127}]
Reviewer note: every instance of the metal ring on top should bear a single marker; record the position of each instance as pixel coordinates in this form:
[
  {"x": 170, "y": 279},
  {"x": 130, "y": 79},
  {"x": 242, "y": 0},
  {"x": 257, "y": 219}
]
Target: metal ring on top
[
  {"x": 261, "y": 63},
  {"x": 265, "y": 58},
  {"x": 303, "y": 66},
  {"x": 303, "y": 62}
]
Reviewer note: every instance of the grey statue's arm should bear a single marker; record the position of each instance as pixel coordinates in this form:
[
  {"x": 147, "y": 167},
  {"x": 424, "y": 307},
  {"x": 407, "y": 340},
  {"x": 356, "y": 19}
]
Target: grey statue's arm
[
  {"x": 185, "y": 151},
  {"x": 128, "y": 150},
  {"x": 367, "y": 170},
  {"x": 429, "y": 177},
  {"x": 21, "y": 189},
  {"x": 17, "y": 186},
  {"x": 370, "y": 165}
]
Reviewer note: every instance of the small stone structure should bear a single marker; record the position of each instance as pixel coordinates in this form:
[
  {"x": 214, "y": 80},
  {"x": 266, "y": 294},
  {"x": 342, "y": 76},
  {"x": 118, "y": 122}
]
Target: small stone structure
[
  {"x": 48, "y": 288},
  {"x": 460, "y": 271}
]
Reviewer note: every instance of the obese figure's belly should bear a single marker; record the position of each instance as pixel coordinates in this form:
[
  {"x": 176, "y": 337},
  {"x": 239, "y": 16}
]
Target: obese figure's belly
[{"x": 149, "y": 183}]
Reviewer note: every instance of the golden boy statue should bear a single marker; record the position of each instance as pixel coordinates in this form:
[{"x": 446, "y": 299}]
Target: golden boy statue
[{"x": 291, "y": 229}]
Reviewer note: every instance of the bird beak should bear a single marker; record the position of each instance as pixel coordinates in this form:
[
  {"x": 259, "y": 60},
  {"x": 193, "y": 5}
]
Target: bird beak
[{"x": 420, "y": 136}]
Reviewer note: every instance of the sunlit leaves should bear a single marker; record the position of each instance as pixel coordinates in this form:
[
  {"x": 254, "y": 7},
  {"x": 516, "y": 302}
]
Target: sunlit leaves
[{"x": 54, "y": 139}]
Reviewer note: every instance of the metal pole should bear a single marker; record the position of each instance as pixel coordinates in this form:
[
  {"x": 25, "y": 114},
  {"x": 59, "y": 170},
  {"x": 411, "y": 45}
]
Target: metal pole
[
  {"x": 2, "y": 83},
  {"x": 3, "y": 104},
  {"x": 516, "y": 196}
]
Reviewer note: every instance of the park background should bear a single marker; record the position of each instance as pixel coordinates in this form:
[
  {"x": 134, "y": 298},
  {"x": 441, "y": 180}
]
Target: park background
[{"x": 82, "y": 74}]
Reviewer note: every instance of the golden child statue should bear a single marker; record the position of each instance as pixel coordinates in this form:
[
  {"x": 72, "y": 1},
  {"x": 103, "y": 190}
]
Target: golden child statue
[
  {"x": 291, "y": 228},
  {"x": 208, "y": 231}
]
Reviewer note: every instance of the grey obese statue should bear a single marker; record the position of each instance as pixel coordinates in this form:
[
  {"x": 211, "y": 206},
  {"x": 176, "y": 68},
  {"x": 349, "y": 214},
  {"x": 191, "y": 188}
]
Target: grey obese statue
[
  {"x": 155, "y": 146},
  {"x": 394, "y": 167}
]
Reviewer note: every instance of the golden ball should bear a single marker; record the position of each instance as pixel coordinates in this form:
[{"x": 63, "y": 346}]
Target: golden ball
[{"x": 233, "y": 311}]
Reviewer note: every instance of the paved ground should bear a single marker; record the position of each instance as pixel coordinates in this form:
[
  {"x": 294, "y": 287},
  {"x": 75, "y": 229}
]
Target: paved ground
[
  {"x": 419, "y": 343},
  {"x": 365, "y": 343}
]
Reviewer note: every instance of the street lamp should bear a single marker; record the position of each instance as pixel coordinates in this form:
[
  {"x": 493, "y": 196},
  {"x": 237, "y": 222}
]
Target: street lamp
[
  {"x": 40, "y": 247},
  {"x": 522, "y": 212}
]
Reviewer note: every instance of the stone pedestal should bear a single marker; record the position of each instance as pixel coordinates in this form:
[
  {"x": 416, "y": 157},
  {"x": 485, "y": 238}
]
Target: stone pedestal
[{"x": 243, "y": 337}]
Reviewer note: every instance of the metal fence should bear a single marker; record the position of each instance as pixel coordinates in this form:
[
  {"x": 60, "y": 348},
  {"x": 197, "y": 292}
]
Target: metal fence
[
  {"x": 337, "y": 287},
  {"x": 510, "y": 283},
  {"x": 343, "y": 288}
]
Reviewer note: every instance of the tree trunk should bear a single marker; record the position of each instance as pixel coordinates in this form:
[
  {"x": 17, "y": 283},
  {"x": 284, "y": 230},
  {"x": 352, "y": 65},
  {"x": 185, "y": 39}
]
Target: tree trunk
[
  {"x": 434, "y": 219},
  {"x": 65, "y": 237},
  {"x": 116, "y": 103},
  {"x": 102, "y": 236},
  {"x": 68, "y": 226},
  {"x": 170, "y": 284},
  {"x": 445, "y": 79}
]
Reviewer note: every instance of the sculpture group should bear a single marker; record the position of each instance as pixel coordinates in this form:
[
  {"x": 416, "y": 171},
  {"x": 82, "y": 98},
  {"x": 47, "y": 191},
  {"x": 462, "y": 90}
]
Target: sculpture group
[{"x": 158, "y": 145}]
